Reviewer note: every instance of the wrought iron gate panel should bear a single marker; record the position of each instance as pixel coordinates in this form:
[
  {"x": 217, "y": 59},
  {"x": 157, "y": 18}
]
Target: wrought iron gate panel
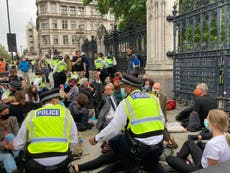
[
  {"x": 117, "y": 42},
  {"x": 201, "y": 48}
]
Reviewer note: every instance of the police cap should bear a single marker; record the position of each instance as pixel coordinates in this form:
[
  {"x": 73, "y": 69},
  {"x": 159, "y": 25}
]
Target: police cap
[
  {"x": 15, "y": 84},
  {"x": 53, "y": 93},
  {"x": 130, "y": 80}
]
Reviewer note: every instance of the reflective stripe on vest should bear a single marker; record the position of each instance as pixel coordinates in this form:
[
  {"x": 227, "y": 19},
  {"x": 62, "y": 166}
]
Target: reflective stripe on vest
[
  {"x": 143, "y": 112},
  {"x": 98, "y": 63},
  {"x": 48, "y": 130}
]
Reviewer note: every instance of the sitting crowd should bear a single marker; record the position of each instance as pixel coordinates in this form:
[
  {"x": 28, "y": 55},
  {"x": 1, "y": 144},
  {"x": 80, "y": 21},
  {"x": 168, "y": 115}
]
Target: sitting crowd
[{"x": 119, "y": 103}]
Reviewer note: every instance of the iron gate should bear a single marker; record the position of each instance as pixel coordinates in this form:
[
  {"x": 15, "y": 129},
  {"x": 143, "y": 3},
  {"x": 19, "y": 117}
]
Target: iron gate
[
  {"x": 117, "y": 42},
  {"x": 201, "y": 48}
]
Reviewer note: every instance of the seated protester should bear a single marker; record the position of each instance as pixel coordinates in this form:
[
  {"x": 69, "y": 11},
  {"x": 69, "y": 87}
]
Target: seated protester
[
  {"x": 203, "y": 103},
  {"x": 8, "y": 95},
  {"x": 13, "y": 76},
  {"x": 48, "y": 134},
  {"x": 19, "y": 108},
  {"x": 117, "y": 90},
  {"x": 217, "y": 150},
  {"x": 38, "y": 82},
  {"x": 8, "y": 131},
  {"x": 32, "y": 95},
  {"x": 80, "y": 113},
  {"x": 157, "y": 91},
  {"x": 71, "y": 96},
  {"x": 107, "y": 107},
  {"x": 24, "y": 85},
  {"x": 84, "y": 87},
  {"x": 148, "y": 86},
  {"x": 96, "y": 87}
]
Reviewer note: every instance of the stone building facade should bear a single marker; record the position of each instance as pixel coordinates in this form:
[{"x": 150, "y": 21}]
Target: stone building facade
[
  {"x": 65, "y": 24},
  {"x": 32, "y": 38}
]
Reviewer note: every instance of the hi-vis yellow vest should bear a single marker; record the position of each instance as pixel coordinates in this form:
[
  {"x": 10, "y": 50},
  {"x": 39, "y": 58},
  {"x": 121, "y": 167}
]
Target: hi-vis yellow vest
[
  {"x": 49, "y": 130},
  {"x": 109, "y": 61},
  {"x": 98, "y": 63},
  {"x": 143, "y": 112}
]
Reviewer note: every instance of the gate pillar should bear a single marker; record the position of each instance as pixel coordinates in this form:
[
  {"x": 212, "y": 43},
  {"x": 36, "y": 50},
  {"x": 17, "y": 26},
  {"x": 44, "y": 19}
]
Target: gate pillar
[{"x": 159, "y": 41}]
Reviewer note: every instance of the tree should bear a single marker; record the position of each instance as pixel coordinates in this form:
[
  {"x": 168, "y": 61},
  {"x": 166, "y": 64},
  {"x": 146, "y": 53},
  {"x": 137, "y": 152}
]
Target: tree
[
  {"x": 125, "y": 11},
  {"x": 4, "y": 53}
]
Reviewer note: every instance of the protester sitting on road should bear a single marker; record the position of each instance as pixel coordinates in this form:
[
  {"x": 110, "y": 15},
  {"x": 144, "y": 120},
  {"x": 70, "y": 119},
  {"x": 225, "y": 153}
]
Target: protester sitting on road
[
  {"x": 8, "y": 131},
  {"x": 157, "y": 91},
  {"x": 8, "y": 95},
  {"x": 19, "y": 108},
  {"x": 148, "y": 85},
  {"x": 202, "y": 104},
  {"x": 32, "y": 95},
  {"x": 217, "y": 150},
  {"x": 14, "y": 76},
  {"x": 80, "y": 113}
]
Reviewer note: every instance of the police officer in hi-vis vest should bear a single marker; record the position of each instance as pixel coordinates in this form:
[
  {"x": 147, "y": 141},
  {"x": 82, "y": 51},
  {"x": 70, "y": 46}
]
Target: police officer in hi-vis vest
[
  {"x": 48, "y": 134},
  {"x": 140, "y": 118}
]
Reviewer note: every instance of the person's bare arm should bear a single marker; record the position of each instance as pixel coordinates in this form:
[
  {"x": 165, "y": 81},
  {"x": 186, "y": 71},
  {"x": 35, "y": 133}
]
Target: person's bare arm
[{"x": 212, "y": 162}]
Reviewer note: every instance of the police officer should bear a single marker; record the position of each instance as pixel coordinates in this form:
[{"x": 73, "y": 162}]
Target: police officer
[
  {"x": 48, "y": 134},
  {"x": 111, "y": 61},
  {"x": 59, "y": 73},
  {"x": 141, "y": 118},
  {"x": 101, "y": 66}
]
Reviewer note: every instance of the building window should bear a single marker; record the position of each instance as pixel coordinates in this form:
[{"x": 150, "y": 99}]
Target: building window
[
  {"x": 94, "y": 26},
  {"x": 81, "y": 11},
  {"x": 53, "y": 8},
  {"x": 64, "y": 24},
  {"x": 54, "y": 24},
  {"x": 45, "y": 39},
  {"x": 55, "y": 40},
  {"x": 74, "y": 39},
  {"x": 81, "y": 26},
  {"x": 63, "y": 10},
  {"x": 73, "y": 25},
  {"x": 65, "y": 39},
  {"x": 45, "y": 24},
  {"x": 43, "y": 8},
  {"x": 72, "y": 11}
]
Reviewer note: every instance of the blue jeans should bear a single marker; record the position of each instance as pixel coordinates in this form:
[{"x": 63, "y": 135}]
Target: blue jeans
[{"x": 8, "y": 158}]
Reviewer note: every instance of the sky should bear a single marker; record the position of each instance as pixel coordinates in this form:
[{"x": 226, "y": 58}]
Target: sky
[{"x": 21, "y": 12}]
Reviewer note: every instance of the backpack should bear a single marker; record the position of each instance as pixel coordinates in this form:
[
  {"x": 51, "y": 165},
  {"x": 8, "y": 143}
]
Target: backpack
[
  {"x": 171, "y": 104},
  {"x": 141, "y": 60}
]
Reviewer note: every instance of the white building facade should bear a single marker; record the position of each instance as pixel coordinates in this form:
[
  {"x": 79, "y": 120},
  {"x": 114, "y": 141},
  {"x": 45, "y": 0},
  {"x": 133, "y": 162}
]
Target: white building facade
[
  {"x": 32, "y": 38},
  {"x": 65, "y": 24}
]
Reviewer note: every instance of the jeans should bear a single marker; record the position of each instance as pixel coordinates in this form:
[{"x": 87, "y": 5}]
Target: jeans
[
  {"x": 8, "y": 158},
  {"x": 179, "y": 162},
  {"x": 146, "y": 156}
]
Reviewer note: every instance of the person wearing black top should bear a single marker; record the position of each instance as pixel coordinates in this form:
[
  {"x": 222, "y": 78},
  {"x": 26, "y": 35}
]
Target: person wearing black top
[{"x": 78, "y": 64}]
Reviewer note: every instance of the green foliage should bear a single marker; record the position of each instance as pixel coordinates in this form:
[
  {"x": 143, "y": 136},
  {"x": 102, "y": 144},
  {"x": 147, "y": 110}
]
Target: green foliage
[
  {"x": 125, "y": 11},
  {"x": 4, "y": 53}
]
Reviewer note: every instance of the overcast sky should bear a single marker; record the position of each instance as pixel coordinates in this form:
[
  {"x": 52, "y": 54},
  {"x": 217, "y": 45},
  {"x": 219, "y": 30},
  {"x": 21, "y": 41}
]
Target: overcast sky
[{"x": 21, "y": 12}]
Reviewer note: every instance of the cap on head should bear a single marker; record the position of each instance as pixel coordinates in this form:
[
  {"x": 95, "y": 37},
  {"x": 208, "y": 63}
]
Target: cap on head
[
  {"x": 130, "y": 80},
  {"x": 3, "y": 106},
  {"x": 15, "y": 84},
  {"x": 50, "y": 94}
]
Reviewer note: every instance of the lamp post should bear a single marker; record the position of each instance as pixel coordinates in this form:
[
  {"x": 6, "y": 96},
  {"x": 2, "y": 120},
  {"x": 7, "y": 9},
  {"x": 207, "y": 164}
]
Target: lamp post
[{"x": 8, "y": 16}]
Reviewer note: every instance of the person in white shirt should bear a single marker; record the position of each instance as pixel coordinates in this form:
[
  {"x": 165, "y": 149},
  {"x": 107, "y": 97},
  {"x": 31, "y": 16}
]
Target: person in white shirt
[{"x": 217, "y": 149}]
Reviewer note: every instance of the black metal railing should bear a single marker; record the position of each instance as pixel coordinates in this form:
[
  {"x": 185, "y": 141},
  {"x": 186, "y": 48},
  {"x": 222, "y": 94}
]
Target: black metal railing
[{"x": 201, "y": 48}]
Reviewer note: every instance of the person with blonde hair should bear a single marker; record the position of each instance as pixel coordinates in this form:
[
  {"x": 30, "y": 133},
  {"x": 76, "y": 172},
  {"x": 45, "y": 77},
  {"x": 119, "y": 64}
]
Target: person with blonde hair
[{"x": 217, "y": 149}]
